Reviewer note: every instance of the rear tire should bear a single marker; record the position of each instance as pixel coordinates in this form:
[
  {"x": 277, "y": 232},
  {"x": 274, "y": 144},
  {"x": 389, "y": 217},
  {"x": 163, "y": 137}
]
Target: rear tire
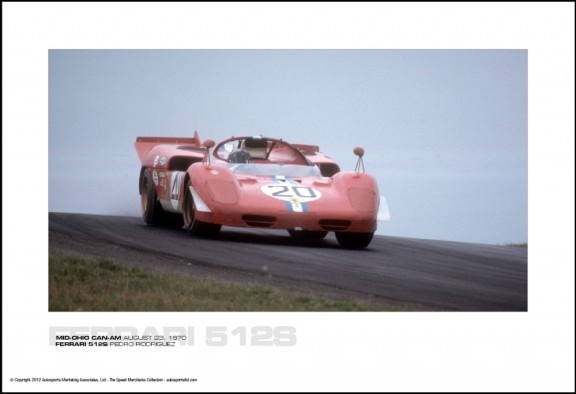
[
  {"x": 354, "y": 240},
  {"x": 191, "y": 224},
  {"x": 152, "y": 211}
]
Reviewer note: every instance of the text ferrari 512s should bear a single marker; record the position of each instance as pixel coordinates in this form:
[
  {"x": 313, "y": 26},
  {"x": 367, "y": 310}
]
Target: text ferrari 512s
[{"x": 256, "y": 182}]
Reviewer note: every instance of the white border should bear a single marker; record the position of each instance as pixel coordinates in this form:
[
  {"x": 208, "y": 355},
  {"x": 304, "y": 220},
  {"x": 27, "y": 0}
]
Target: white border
[{"x": 531, "y": 351}]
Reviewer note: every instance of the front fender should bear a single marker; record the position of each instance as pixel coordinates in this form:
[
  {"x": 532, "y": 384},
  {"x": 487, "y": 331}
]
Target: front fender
[
  {"x": 361, "y": 189},
  {"x": 214, "y": 184}
]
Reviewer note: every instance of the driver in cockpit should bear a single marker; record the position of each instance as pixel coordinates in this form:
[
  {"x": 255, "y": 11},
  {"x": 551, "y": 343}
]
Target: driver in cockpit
[{"x": 239, "y": 156}]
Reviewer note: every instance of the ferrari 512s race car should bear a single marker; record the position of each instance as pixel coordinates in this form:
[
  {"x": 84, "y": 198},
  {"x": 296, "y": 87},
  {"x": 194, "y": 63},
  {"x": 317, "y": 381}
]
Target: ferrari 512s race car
[{"x": 256, "y": 182}]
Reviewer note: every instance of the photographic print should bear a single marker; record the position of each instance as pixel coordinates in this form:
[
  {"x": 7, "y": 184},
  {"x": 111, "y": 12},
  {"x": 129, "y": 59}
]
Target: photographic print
[{"x": 259, "y": 180}]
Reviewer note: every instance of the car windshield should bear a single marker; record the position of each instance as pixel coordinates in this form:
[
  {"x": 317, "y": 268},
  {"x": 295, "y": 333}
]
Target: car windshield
[{"x": 275, "y": 169}]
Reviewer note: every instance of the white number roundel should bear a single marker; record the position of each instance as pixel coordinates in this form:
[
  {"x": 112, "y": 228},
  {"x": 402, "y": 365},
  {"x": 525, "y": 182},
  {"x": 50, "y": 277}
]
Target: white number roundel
[{"x": 290, "y": 192}]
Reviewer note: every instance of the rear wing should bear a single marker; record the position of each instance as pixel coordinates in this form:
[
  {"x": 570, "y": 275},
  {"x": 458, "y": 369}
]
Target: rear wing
[
  {"x": 144, "y": 144},
  {"x": 307, "y": 148}
]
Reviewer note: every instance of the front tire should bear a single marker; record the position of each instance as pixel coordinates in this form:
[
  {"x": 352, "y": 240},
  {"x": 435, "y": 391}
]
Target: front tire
[
  {"x": 193, "y": 225},
  {"x": 354, "y": 240}
]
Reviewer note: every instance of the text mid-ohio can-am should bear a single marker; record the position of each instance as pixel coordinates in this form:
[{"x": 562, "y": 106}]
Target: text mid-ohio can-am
[{"x": 256, "y": 182}]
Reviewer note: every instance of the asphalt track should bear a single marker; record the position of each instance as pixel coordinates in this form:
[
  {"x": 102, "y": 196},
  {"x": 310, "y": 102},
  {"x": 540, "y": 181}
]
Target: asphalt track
[{"x": 420, "y": 274}]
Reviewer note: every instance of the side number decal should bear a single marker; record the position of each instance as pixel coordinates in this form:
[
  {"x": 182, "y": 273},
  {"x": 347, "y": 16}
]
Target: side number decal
[{"x": 175, "y": 183}]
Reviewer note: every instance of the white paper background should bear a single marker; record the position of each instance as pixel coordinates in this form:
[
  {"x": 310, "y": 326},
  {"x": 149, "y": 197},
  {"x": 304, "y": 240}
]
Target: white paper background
[{"x": 531, "y": 351}]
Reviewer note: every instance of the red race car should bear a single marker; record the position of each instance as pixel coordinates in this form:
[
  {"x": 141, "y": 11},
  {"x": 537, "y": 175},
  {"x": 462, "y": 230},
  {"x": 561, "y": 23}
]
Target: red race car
[{"x": 256, "y": 182}]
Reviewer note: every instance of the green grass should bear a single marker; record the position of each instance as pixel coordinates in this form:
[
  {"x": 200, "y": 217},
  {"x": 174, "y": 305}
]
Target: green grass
[{"x": 102, "y": 285}]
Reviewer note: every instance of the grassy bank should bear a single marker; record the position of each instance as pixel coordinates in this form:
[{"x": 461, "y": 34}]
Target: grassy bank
[{"x": 102, "y": 285}]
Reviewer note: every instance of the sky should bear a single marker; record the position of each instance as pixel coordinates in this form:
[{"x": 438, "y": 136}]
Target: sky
[{"x": 445, "y": 131}]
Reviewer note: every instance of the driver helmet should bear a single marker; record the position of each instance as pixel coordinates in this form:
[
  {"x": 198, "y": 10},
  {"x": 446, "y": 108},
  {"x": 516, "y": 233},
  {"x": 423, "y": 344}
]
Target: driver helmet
[{"x": 239, "y": 156}]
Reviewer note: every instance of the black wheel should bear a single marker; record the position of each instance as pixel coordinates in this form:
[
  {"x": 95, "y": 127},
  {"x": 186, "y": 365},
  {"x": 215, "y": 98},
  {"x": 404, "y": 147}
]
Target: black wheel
[
  {"x": 354, "y": 240},
  {"x": 191, "y": 224},
  {"x": 152, "y": 211},
  {"x": 306, "y": 234}
]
